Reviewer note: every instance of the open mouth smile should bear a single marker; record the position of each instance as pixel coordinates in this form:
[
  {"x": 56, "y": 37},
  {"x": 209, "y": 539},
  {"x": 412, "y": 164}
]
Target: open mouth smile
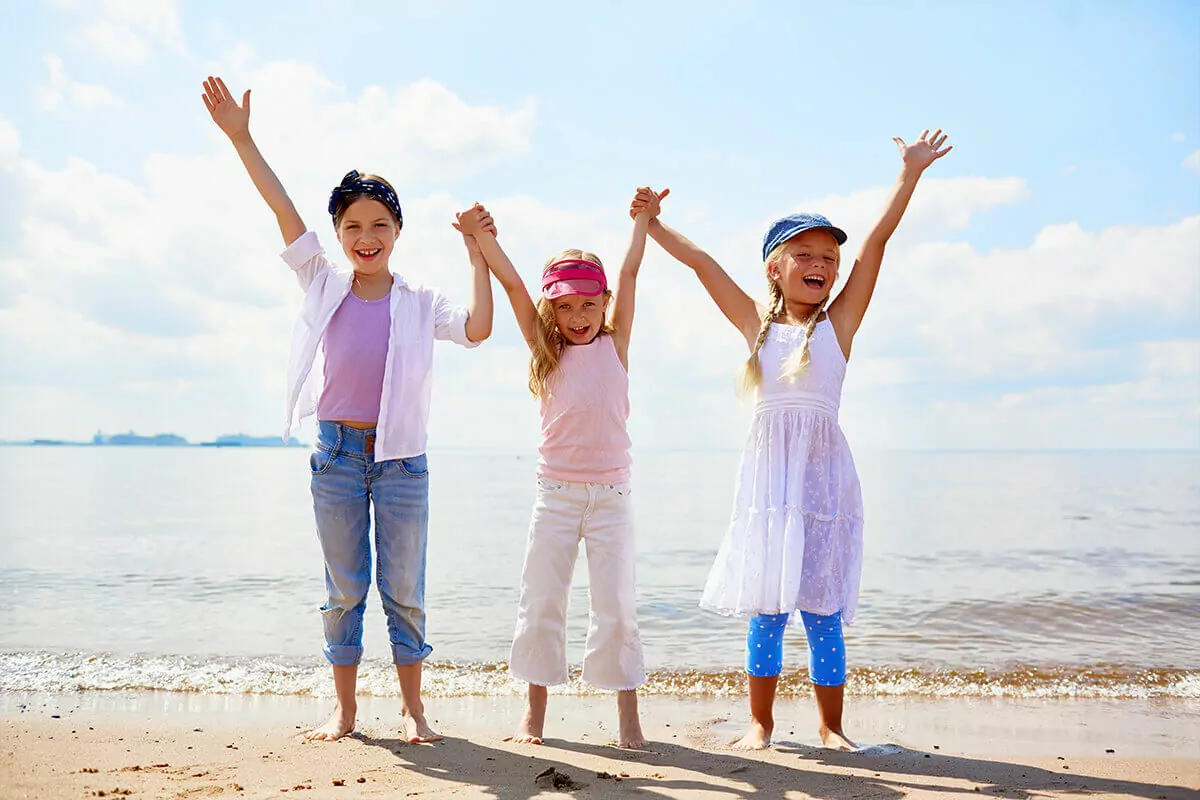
[
  {"x": 814, "y": 281},
  {"x": 368, "y": 253}
]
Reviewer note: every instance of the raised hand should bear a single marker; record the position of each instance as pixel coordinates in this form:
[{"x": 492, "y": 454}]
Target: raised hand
[
  {"x": 647, "y": 200},
  {"x": 474, "y": 221},
  {"x": 925, "y": 150},
  {"x": 232, "y": 119}
]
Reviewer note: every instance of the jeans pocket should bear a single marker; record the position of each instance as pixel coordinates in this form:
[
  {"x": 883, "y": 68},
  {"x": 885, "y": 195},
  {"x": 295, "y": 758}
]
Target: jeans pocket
[
  {"x": 550, "y": 485},
  {"x": 415, "y": 467},
  {"x": 620, "y": 489},
  {"x": 320, "y": 461}
]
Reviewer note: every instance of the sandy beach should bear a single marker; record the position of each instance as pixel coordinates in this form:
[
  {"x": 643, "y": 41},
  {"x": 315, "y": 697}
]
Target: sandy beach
[{"x": 171, "y": 745}]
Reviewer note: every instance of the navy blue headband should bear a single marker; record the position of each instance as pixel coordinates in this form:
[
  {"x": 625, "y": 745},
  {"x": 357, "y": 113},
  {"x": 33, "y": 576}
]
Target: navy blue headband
[{"x": 354, "y": 184}]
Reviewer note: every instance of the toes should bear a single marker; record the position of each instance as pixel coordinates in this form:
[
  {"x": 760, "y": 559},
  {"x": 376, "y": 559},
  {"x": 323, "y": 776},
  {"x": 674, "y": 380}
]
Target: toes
[{"x": 526, "y": 739}]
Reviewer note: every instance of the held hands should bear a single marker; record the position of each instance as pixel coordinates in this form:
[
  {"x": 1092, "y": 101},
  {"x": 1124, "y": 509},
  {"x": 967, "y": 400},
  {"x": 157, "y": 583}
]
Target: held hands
[
  {"x": 647, "y": 201},
  {"x": 924, "y": 151},
  {"x": 232, "y": 119},
  {"x": 472, "y": 222}
]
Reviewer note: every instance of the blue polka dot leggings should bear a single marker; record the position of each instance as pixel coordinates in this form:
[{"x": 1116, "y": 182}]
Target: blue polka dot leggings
[{"x": 826, "y": 647}]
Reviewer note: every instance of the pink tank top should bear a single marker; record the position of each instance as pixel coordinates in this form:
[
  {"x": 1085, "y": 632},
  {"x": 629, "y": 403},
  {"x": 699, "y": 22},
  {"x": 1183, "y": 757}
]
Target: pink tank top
[
  {"x": 356, "y": 347},
  {"x": 583, "y": 419}
]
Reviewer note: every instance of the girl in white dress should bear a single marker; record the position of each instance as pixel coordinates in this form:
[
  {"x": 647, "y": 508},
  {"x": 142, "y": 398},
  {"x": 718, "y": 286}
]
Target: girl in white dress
[{"x": 795, "y": 540}]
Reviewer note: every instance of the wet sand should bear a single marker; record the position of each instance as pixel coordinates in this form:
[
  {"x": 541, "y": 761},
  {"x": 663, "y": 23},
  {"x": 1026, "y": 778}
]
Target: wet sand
[{"x": 174, "y": 745}]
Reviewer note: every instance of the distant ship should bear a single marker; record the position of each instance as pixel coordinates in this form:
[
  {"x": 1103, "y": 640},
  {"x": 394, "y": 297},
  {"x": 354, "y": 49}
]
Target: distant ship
[
  {"x": 242, "y": 440},
  {"x": 131, "y": 438}
]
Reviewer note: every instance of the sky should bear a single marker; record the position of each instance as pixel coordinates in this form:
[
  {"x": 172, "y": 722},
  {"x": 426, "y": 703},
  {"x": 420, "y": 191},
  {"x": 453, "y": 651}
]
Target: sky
[{"x": 1043, "y": 291}]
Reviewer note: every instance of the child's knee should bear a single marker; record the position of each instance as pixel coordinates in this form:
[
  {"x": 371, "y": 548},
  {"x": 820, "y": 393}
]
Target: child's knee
[
  {"x": 826, "y": 648},
  {"x": 764, "y": 645}
]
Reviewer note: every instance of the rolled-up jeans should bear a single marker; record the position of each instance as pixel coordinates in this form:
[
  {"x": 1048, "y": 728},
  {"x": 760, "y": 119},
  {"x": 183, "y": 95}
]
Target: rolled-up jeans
[
  {"x": 347, "y": 484},
  {"x": 601, "y": 516}
]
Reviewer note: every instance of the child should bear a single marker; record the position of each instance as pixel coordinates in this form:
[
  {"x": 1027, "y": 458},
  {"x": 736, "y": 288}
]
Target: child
[
  {"x": 376, "y": 334},
  {"x": 579, "y": 372},
  {"x": 795, "y": 541}
]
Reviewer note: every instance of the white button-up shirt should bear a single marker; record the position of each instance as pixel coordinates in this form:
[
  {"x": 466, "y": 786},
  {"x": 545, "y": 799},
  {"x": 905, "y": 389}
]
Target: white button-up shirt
[{"x": 419, "y": 315}]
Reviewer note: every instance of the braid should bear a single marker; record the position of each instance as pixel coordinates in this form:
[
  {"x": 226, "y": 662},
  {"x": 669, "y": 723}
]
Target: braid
[{"x": 750, "y": 376}]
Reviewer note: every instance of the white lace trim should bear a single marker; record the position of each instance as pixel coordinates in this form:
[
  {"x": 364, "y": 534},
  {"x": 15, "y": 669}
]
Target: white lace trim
[{"x": 794, "y": 619}]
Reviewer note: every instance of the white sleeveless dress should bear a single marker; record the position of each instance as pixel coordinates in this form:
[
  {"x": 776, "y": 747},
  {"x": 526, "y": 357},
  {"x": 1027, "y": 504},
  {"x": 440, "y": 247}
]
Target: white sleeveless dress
[{"x": 795, "y": 540}]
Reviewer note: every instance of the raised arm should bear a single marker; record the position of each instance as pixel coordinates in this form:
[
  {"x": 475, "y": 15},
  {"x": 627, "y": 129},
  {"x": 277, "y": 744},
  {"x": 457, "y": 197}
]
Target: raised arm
[
  {"x": 477, "y": 223},
  {"x": 480, "y": 308},
  {"x": 234, "y": 121},
  {"x": 847, "y": 310},
  {"x": 626, "y": 284},
  {"x": 737, "y": 306}
]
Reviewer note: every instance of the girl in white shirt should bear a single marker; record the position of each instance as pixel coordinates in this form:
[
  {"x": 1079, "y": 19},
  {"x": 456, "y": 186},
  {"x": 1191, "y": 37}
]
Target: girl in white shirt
[{"x": 375, "y": 332}]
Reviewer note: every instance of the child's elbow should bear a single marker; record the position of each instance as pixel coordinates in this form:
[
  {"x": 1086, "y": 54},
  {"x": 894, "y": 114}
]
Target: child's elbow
[{"x": 479, "y": 332}]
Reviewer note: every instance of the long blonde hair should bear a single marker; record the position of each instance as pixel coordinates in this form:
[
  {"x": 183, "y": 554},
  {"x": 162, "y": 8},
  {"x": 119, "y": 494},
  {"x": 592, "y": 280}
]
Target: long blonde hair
[
  {"x": 750, "y": 376},
  {"x": 547, "y": 345}
]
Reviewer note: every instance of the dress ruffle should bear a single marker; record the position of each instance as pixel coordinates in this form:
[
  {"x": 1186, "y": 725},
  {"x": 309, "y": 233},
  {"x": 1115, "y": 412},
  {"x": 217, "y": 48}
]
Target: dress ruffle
[{"x": 795, "y": 540}]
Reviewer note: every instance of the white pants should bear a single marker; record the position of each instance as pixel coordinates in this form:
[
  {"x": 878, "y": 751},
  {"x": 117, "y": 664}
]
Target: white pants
[{"x": 601, "y": 516}]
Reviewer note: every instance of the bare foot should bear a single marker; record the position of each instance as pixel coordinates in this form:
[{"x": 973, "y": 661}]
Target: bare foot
[
  {"x": 417, "y": 730},
  {"x": 530, "y": 729},
  {"x": 629, "y": 723},
  {"x": 340, "y": 723},
  {"x": 534, "y": 721},
  {"x": 758, "y": 737},
  {"x": 836, "y": 740}
]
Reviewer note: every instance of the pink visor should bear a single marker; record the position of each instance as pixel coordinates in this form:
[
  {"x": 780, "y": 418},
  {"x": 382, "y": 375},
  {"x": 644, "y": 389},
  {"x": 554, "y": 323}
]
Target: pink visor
[{"x": 573, "y": 276}]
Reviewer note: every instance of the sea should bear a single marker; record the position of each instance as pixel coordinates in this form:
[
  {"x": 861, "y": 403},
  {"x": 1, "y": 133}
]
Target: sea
[{"x": 197, "y": 570}]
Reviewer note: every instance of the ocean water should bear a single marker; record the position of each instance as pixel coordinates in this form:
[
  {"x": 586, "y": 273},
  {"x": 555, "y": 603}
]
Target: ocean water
[{"x": 986, "y": 574}]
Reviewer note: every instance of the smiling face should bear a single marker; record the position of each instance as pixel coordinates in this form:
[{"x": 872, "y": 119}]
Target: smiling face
[
  {"x": 368, "y": 232},
  {"x": 806, "y": 266},
  {"x": 579, "y": 317}
]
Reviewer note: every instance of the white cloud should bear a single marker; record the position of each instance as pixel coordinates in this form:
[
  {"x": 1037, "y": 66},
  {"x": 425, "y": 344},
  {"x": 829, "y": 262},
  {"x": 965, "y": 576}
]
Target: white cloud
[
  {"x": 1158, "y": 407},
  {"x": 167, "y": 305},
  {"x": 155, "y": 299},
  {"x": 60, "y": 92},
  {"x": 939, "y": 206},
  {"x": 414, "y": 132},
  {"x": 1010, "y": 314},
  {"x": 1178, "y": 137},
  {"x": 10, "y": 142},
  {"x": 124, "y": 31},
  {"x": 1192, "y": 162}
]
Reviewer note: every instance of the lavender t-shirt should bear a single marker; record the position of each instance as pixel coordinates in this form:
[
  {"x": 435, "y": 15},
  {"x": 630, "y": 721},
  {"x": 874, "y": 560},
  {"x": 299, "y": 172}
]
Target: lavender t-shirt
[{"x": 355, "y": 346}]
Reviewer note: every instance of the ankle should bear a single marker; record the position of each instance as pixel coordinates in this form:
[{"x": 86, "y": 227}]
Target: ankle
[
  {"x": 536, "y": 703},
  {"x": 767, "y": 722}
]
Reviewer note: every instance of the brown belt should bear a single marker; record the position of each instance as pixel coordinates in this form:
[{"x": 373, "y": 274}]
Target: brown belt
[{"x": 369, "y": 443}]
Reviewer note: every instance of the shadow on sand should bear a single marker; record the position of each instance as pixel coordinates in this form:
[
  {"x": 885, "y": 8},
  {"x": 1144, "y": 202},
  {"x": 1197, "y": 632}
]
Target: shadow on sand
[{"x": 884, "y": 771}]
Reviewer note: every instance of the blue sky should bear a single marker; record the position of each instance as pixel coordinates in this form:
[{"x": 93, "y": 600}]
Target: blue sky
[{"x": 1044, "y": 290}]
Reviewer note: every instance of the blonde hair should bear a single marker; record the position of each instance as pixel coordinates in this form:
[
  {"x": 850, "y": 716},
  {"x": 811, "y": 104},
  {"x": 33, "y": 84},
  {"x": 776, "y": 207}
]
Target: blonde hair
[
  {"x": 547, "y": 345},
  {"x": 750, "y": 376}
]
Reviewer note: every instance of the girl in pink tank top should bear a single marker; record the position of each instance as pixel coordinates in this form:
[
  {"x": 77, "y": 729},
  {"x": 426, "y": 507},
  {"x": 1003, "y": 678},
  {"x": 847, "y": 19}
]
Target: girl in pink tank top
[{"x": 578, "y": 332}]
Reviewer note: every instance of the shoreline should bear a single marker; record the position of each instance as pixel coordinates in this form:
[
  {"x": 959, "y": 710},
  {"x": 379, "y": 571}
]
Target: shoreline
[
  {"x": 49, "y": 671},
  {"x": 176, "y": 745}
]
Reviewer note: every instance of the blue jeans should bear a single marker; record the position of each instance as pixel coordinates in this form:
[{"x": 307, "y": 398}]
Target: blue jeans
[{"x": 346, "y": 483}]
